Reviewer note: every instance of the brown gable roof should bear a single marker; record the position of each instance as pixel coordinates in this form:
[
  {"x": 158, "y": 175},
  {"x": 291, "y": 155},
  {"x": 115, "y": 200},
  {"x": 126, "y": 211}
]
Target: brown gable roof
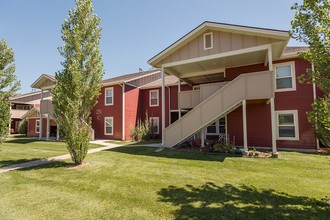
[
  {"x": 127, "y": 77},
  {"x": 290, "y": 49}
]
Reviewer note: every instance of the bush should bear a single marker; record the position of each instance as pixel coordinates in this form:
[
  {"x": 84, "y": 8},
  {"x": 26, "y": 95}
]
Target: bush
[
  {"x": 222, "y": 148},
  {"x": 142, "y": 130},
  {"x": 22, "y": 127},
  {"x": 320, "y": 118}
]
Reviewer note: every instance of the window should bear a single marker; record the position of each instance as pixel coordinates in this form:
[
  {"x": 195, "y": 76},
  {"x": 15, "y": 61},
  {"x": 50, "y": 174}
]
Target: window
[
  {"x": 222, "y": 125},
  {"x": 108, "y": 125},
  {"x": 218, "y": 127},
  {"x": 108, "y": 96},
  {"x": 287, "y": 125},
  {"x": 212, "y": 129},
  {"x": 23, "y": 107},
  {"x": 37, "y": 126},
  {"x": 153, "y": 98},
  {"x": 154, "y": 123},
  {"x": 285, "y": 77},
  {"x": 208, "y": 41}
]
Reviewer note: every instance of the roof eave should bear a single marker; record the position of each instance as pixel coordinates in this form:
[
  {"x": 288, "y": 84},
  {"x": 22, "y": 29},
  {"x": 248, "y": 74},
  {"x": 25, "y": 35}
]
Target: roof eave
[{"x": 278, "y": 33}]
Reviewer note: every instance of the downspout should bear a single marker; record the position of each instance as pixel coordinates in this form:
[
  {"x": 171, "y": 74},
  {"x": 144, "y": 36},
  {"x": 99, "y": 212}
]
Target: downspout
[
  {"x": 123, "y": 111},
  {"x": 163, "y": 107},
  {"x": 9, "y": 125},
  {"x": 314, "y": 97}
]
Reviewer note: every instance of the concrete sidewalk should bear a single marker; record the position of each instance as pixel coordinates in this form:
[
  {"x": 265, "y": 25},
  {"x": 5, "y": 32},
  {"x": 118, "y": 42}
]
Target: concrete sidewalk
[{"x": 35, "y": 163}]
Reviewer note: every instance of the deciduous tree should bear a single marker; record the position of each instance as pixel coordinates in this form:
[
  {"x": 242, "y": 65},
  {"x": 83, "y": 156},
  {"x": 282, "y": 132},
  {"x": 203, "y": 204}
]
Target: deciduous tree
[
  {"x": 8, "y": 86},
  {"x": 311, "y": 25},
  {"x": 78, "y": 84}
]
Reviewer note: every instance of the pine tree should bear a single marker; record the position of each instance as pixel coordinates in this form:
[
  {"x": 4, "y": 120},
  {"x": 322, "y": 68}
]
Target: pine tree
[
  {"x": 8, "y": 86},
  {"x": 78, "y": 84}
]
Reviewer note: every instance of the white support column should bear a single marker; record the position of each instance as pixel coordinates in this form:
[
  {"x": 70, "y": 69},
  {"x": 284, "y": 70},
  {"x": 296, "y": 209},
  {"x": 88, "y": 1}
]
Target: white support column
[
  {"x": 270, "y": 58},
  {"x": 179, "y": 90},
  {"x": 123, "y": 113},
  {"x": 203, "y": 137},
  {"x": 40, "y": 126},
  {"x": 163, "y": 106},
  {"x": 244, "y": 126},
  {"x": 272, "y": 112},
  {"x": 47, "y": 128},
  {"x": 58, "y": 131}
]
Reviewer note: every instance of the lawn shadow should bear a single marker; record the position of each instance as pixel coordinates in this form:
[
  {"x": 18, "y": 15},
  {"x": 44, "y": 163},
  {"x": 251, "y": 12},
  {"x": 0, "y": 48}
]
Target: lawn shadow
[
  {"x": 172, "y": 153},
  {"x": 53, "y": 164},
  {"x": 210, "y": 201},
  {"x": 4, "y": 163},
  {"x": 22, "y": 140}
]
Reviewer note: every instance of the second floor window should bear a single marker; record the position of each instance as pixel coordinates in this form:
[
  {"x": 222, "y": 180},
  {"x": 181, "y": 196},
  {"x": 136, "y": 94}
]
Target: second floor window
[
  {"x": 108, "y": 96},
  {"x": 153, "y": 98},
  {"x": 285, "y": 77}
]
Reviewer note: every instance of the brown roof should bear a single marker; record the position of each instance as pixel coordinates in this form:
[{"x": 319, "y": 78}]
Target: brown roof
[
  {"x": 127, "y": 77},
  {"x": 170, "y": 80},
  {"x": 17, "y": 113},
  {"x": 289, "y": 49}
]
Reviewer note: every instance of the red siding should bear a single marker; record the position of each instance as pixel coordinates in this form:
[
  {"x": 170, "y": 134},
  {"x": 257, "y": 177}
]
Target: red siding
[
  {"x": 258, "y": 115},
  {"x": 258, "y": 125},
  {"x": 300, "y": 100},
  {"x": 153, "y": 111},
  {"x": 101, "y": 111},
  {"x": 132, "y": 100},
  {"x": 31, "y": 130},
  {"x": 232, "y": 73}
]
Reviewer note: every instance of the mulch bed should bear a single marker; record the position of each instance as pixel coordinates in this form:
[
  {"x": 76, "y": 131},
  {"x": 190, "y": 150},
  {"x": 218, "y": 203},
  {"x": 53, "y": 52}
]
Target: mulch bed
[{"x": 324, "y": 150}]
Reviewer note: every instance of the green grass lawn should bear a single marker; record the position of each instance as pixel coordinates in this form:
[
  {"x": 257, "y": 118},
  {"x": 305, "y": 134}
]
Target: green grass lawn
[
  {"x": 129, "y": 142},
  {"x": 138, "y": 183},
  {"x": 18, "y": 150}
]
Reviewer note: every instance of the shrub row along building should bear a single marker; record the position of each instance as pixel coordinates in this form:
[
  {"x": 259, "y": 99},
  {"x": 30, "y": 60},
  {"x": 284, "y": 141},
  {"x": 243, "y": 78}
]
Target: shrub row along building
[{"x": 219, "y": 79}]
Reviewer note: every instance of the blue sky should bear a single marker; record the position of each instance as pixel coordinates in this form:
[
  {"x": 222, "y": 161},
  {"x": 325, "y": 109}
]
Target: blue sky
[{"x": 132, "y": 31}]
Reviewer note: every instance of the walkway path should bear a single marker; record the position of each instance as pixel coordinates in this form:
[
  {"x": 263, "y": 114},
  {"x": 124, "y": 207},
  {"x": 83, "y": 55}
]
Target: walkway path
[{"x": 64, "y": 157}]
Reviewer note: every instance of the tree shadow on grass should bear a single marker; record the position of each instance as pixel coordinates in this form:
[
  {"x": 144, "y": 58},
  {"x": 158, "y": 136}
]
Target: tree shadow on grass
[
  {"x": 210, "y": 201},
  {"x": 22, "y": 141},
  {"x": 173, "y": 153},
  {"x": 4, "y": 163},
  {"x": 53, "y": 164}
]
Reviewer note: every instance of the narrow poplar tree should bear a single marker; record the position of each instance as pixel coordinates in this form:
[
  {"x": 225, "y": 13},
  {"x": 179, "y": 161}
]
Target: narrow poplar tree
[
  {"x": 8, "y": 86},
  {"x": 78, "y": 84}
]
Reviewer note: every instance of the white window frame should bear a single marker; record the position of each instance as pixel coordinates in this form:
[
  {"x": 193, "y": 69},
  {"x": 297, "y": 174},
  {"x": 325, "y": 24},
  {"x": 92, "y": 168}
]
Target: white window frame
[
  {"x": 105, "y": 125},
  {"x": 293, "y": 76},
  {"x": 37, "y": 132},
  {"x": 217, "y": 125},
  {"x": 151, "y": 91},
  {"x": 105, "y": 95},
  {"x": 295, "y": 123},
  {"x": 157, "y": 119},
  {"x": 204, "y": 39}
]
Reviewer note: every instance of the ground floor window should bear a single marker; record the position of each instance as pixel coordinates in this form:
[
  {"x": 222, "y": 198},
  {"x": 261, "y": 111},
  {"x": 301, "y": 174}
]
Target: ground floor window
[
  {"x": 287, "y": 125},
  {"x": 37, "y": 126},
  {"x": 108, "y": 125},
  {"x": 218, "y": 127},
  {"x": 154, "y": 123}
]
